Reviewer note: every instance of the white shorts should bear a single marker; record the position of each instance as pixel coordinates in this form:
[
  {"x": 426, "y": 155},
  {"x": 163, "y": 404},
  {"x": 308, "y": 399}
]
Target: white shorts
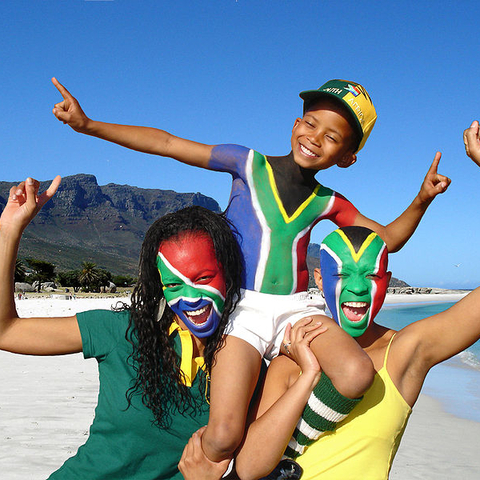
[{"x": 260, "y": 318}]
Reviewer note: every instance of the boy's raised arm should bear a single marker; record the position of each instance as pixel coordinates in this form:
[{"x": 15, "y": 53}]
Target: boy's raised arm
[
  {"x": 142, "y": 139},
  {"x": 398, "y": 232}
]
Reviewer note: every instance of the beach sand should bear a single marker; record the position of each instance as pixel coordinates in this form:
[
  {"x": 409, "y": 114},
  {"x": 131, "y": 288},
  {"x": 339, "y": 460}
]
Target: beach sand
[{"x": 47, "y": 405}]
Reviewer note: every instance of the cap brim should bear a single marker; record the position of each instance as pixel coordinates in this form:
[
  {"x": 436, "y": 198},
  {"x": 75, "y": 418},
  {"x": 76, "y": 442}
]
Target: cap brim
[{"x": 309, "y": 96}]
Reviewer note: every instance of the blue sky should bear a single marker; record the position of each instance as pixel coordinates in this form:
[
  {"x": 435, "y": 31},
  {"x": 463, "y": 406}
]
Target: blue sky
[{"x": 226, "y": 71}]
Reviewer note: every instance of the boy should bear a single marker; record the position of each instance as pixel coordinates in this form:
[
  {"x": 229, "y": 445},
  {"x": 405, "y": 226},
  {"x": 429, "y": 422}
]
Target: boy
[{"x": 274, "y": 204}]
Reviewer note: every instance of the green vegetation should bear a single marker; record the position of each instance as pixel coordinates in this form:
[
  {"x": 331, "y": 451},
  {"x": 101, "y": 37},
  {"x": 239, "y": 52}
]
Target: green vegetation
[
  {"x": 20, "y": 272},
  {"x": 88, "y": 278},
  {"x": 42, "y": 271}
]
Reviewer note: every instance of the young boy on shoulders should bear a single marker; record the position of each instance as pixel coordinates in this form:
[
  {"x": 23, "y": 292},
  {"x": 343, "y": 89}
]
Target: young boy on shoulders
[{"x": 274, "y": 204}]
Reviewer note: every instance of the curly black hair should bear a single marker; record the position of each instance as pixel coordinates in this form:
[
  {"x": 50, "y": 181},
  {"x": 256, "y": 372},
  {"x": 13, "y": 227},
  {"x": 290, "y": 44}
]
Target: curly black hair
[{"x": 159, "y": 379}]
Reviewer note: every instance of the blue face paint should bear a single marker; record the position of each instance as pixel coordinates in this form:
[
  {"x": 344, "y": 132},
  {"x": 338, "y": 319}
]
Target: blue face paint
[{"x": 193, "y": 282}]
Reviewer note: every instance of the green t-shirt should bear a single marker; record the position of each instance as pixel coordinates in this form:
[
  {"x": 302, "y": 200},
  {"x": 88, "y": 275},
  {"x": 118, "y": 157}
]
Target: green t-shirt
[{"x": 123, "y": 443}]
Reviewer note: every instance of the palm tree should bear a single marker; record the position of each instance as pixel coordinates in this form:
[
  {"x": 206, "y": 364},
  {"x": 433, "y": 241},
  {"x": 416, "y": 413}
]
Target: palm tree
[
  {"x": 89, "y": 275},
  {"x": 19, "y": 271}
]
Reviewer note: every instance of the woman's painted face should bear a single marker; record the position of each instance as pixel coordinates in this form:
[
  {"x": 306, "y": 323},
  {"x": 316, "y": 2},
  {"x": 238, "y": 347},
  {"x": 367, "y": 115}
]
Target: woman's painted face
[
  {"x": 354, "y": 281},
  {"x": 193, "y": 281}
]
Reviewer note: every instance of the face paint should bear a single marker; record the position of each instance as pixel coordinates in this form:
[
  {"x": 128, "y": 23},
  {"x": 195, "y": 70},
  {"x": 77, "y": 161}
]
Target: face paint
[
  {"x": 354, "y": 282},
  {"x": 193, "y": 281}
]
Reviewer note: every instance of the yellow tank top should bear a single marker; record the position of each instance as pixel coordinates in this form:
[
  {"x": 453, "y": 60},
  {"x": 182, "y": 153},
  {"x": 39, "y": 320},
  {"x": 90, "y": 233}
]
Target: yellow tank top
[{"x": 365, "y": 443}]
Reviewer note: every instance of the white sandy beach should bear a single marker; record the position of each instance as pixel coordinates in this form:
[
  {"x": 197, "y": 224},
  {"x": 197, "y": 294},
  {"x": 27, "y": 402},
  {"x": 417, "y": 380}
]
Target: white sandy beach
[{"x": 47, "y": 405}]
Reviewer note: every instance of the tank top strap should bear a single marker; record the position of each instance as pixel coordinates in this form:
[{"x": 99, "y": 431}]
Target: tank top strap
[{"x": 388, "y": 350}]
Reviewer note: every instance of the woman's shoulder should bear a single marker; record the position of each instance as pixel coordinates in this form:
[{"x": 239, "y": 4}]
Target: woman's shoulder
[{"x": 113, "y": 321}]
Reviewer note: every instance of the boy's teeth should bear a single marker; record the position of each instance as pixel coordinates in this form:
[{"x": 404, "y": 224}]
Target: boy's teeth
[
  {"x": 355, "y": 311},
  {"x": 308, "y": 152}
]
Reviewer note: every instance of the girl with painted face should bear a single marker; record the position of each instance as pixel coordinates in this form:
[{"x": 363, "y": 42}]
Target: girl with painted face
[
  {"x": 153, "y": 359},
  {"x": 193, "y": 282},
  {"x": 354, "y": 278}
]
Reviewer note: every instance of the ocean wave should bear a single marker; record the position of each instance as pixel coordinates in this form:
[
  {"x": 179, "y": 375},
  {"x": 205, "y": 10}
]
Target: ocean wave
[{"x": 469, "y": 358}]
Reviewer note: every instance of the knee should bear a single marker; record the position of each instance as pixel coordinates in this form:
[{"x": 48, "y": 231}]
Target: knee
[
  {"x": 222, "y": 439},
  {"x": 356, "y": 377}
]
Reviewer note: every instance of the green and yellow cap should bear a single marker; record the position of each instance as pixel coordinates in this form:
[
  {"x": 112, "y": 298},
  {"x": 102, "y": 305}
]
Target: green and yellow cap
[{"x": 354, "y": 97}]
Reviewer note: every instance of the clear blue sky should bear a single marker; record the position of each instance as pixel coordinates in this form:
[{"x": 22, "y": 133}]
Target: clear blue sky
[{"x": 226, "y": 71}]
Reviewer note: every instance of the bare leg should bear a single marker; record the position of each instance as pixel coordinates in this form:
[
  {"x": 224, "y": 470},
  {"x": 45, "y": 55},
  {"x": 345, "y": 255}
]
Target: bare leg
[
  {"x": 234, "y": 377},
  {"x": 343, "y": 360}
]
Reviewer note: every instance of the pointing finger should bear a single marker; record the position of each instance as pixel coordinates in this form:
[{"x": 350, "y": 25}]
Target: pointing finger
[
  {"x": 434, "y": 165},
  {"x": 63, "y": 91}
]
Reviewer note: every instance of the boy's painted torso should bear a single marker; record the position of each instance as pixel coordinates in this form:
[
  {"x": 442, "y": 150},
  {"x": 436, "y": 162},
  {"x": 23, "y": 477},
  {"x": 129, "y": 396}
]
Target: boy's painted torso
[{"x": 273, "y": 242}]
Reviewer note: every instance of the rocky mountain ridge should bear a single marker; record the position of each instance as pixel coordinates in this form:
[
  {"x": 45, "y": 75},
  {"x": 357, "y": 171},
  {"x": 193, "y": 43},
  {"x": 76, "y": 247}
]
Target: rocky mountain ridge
[{"x": 104, "y": 224}]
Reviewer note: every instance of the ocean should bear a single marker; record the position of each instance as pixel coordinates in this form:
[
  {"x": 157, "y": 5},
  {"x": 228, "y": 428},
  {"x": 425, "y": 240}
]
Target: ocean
[{"x": 455, "y": 383}]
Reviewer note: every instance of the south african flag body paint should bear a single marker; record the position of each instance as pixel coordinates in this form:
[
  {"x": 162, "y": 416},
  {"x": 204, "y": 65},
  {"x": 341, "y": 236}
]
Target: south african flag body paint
[
  {"x": 354, "y": 277},
  {"x": 273, "y": 243}
]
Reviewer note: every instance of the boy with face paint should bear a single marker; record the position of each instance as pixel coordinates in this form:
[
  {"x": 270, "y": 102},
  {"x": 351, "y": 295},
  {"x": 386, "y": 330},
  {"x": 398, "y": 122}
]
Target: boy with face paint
[
  {"x": 275, "y": 202},
  {"x": 354, "y": 279},
  {"x": 357, "y": 279}
]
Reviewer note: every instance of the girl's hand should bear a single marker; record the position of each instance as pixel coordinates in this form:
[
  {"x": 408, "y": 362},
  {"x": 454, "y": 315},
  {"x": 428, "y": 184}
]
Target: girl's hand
[
  {"x": 24, "y": 203},
  {"x": 296, "y": 343},
  {"x": 194, "y": 465}
]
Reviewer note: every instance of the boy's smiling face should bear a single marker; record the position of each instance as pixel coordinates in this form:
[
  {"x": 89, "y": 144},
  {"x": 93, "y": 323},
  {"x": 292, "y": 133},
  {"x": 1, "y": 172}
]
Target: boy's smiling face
[
  {"x": 354, "y": 279},
  {"x": 193, "y": 282},
  {"x": 323, "y": 137}
]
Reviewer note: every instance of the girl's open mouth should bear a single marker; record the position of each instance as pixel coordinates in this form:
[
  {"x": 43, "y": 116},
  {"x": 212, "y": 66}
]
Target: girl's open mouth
[{"x": 200, "y": 316}]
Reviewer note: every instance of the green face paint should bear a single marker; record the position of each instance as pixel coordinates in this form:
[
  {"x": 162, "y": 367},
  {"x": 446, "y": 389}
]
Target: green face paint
[{"x": 355, "y": 280}]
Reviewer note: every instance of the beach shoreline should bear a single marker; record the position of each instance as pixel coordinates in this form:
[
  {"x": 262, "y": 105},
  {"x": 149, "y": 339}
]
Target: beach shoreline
[
  {"x": 47, "y": 405},
  {"x": 415, "y": 298}
]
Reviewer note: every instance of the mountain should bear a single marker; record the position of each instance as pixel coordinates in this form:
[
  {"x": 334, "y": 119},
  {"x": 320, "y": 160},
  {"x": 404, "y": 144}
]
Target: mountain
[
  {"x": 106, "y": 224},
  {"x": 102, "y": 224}
]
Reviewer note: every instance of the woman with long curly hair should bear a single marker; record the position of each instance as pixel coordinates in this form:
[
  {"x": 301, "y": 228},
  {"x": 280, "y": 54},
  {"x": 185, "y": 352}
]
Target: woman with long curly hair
[{"x": 154, "y": 356}]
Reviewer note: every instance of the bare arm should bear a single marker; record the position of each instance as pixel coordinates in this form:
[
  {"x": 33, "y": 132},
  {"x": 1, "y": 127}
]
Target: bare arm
[
  {"x": 450, "y": 332},
  {"x": 398, "y": 232},
  {"x": 34, "y": 336},
  {"x": 425, "y": 343},
  {"x": 142, "y": 139}
]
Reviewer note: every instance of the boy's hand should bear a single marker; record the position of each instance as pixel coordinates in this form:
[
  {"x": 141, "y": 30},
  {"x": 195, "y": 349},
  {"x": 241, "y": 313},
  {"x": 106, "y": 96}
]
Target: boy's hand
[
  {"x": 194, "y": 464},
  {"x": 69, "y": 111},
  {"x": 296, "y": 343},
  {"x": 434, "y": 183},
  {"x": 471, "y": 139},
  {"x": 24, "y": 203}
]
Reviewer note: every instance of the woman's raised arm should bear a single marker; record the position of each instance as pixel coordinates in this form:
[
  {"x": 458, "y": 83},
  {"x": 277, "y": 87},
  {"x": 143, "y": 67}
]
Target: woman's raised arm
[{"x": 33, "y": 336}]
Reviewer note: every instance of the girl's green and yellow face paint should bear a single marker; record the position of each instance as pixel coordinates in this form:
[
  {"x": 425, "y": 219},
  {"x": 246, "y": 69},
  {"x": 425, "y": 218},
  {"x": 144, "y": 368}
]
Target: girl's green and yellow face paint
[
  {"x": 193, "y": 281},
  {"x": 355, "y": 278}
]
